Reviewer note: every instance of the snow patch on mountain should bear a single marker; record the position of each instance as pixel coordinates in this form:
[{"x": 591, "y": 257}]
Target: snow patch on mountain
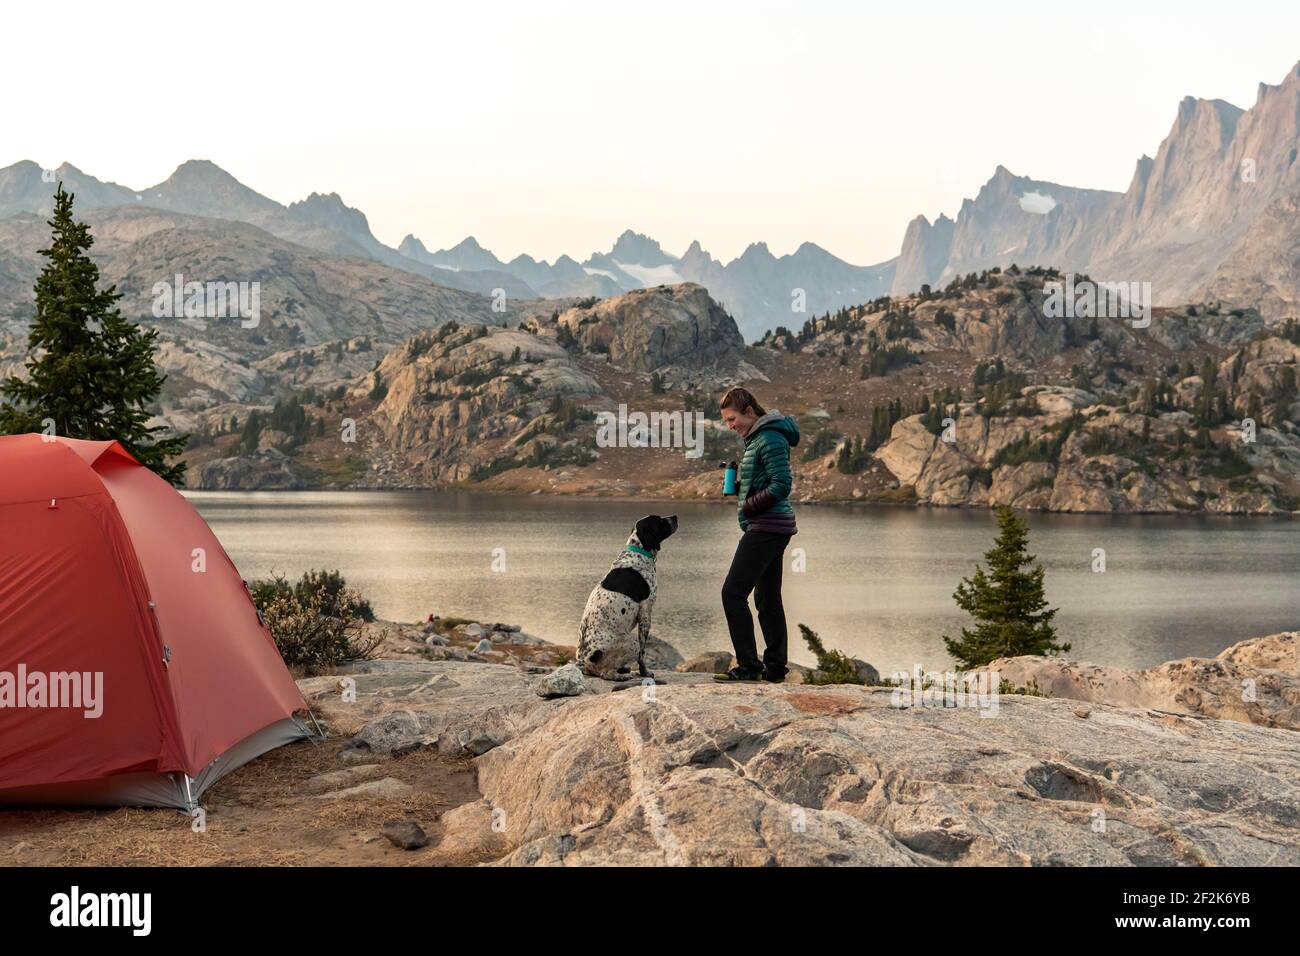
[
  {"x": 1038, "y": 203},
  {"x": 666, "y": 274}
]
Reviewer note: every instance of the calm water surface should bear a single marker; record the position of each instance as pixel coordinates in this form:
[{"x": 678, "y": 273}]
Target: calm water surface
[{"x": 878, "y": 581}]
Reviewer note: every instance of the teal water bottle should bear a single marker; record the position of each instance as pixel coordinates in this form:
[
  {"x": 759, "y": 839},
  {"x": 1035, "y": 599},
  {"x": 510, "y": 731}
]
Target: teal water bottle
[{"x": 729, "y": 478}]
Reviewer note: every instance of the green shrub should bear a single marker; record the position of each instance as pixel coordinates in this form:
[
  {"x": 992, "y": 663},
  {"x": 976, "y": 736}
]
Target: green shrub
[
  {"x": 1029, "y": 690},
  {"x": 833, "y": 667},
  {"x": 823, "y": 444},
  {"x": 316, "y": 623},
  {"x": 882, "y": 361}
]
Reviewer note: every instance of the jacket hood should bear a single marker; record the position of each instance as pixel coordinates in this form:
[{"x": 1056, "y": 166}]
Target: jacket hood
[{"x": 777, "y": 422}]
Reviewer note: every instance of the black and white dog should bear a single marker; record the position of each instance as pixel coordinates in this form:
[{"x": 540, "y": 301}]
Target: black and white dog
[{"x": 616, "y": 621}]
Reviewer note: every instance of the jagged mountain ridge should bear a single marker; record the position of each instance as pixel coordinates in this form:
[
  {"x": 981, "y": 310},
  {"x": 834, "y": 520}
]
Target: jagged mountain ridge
[
  {"x": 1187, "y": 222},
  {"x": 1208, "y": 216},
  {"x": 323, "y": 223},
  {"x": 757, "y": 288}
]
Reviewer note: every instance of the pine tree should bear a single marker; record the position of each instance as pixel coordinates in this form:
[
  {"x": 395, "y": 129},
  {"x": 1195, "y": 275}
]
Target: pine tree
[
  {"x": 89, "y": 371},
  {"x": 1008, "y": 602}
]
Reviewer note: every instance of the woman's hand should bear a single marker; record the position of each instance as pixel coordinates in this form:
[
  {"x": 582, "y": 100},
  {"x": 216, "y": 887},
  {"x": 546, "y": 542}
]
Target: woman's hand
[{"x": 758, "y": 502}]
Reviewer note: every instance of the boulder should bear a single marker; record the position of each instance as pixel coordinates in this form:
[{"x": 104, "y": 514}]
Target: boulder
[
  {"x": 1137, "y": 769},
  {"x": 1255, "y": 681},
  {"x": 457, "y": 707},
  {"x": 660, "y": 655},
  {"x": 908, "y": 449},
  {"x": 666, "y": 325},
  {"x": 759, "y": 775},
  {"x": 1060, "y": 399}
]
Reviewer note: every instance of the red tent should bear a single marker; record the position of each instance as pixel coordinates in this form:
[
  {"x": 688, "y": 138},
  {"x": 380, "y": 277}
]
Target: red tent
[{"x": 134, "y": 669}]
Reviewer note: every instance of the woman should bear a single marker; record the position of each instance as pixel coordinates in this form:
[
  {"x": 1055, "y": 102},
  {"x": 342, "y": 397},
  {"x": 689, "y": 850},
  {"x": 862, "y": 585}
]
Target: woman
[{"x": 767, "y": 521}]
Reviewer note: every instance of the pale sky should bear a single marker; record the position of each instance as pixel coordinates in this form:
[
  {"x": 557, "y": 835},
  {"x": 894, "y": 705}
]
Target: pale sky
[{"x": 548, "y": 128}]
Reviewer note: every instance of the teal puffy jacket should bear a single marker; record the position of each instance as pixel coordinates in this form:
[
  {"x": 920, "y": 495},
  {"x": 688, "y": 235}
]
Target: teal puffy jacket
[{"x": 765, "y": 476}]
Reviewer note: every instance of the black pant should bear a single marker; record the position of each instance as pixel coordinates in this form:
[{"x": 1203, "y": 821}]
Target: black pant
[{"x": 757, "y": 567}]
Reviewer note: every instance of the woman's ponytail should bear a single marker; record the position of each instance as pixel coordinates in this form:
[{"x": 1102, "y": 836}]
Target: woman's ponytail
[{"x": 740, "y": 399}]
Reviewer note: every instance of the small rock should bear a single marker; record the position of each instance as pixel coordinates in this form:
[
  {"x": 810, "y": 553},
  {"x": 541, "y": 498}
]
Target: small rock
[
  {"x": 405, "y": 834},
  {"x": 712, "y": 662},
  {"x": 483, "y": 742},
  {"x": 436, "y": 640},
  {"x": 483, "y": 646},
  {"x": 389, "y": 788},
  {"x": 564, "y": 681},
  {"x": 472, "y": 630},
  {"x": 356, "y": 754},
  {"x": 341, "y": 778},
  {"x": 393, "y": 730}
]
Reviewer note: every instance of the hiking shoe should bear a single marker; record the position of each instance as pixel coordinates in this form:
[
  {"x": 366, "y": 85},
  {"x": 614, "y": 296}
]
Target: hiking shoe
[
  {"x": 774, "y": 677},
  {"x": 738, "y": 674}
]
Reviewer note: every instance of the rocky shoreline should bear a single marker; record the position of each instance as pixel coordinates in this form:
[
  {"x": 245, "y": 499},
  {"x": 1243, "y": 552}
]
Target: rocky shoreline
[
  {"x": 964, "y": 397},
  {"x": 1117, "y": 768}
]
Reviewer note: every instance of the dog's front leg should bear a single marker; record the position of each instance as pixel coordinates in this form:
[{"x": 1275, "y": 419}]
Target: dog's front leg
[{"x": 643, "y": 635}]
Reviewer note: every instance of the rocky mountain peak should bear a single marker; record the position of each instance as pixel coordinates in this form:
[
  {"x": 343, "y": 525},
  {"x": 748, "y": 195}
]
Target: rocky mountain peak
[
  {"x": 1289, "y": 82},
  {"x": 201, "y": 171},
  {"x": 466, "y": 255},
  {"x": 1214, "y": 121},
  {"x": 811, "y": 250},
  {"x": 330, "y": 210},
  {"x": 637, "y": 249},
  {"x": 412, "y": 247},
  {"x": 202, "y": 188}
]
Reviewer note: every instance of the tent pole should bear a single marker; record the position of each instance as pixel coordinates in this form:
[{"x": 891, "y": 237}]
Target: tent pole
[{"x": 313, "y": 720}]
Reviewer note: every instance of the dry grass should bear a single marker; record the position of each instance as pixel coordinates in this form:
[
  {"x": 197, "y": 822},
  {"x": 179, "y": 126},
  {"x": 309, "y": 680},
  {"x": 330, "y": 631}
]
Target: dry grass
[{"x": 262, "y": 814}]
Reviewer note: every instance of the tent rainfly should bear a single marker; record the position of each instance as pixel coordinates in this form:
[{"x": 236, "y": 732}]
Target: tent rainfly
[{"x": 134, "y": 667}]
